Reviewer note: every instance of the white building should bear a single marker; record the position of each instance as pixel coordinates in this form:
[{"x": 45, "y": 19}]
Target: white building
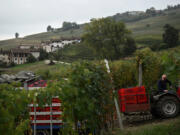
[
  {"x": 135, "y": 12},
  {"x": 53, "y": 45},
  {"x": 35, "y": 53},
  {"x": 4, "y": 58},
  {"x": 18, "y": 56},
  {"x": 30, "y": 46}
]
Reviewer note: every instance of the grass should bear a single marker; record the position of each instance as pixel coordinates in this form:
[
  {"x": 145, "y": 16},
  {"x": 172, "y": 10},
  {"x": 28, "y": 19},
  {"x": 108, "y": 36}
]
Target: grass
[
  {"x": 139, "y": 30},
  {"x": 71, "y": 54},
  {"x": 78, "y": 51},
  {"x": 35, "y": 67},
  {"x": 156, "y": 23},
  {"x": 165, "y": 127}
]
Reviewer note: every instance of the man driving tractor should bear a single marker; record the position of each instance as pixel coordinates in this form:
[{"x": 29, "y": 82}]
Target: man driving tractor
[{"x": 162, "y": 84}]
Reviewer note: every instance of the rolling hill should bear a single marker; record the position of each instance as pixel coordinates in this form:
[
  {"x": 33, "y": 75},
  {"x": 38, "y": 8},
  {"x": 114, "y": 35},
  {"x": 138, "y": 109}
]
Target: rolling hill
[{"x": 148, "y": 28}]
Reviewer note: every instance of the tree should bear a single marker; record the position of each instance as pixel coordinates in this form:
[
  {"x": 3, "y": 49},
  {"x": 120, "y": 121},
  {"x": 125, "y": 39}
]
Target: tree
[
  {"x": 170, "y": 36},
  {"x": 151, "y": 11},
  {"x": 14, "y": 119},
  {"x": 108, "y": 38},
  {"x": 87, "y": 96},
  {"x": 130, "y": 46},
  {"x": 31, "y": 59},
  {"x": 57, "y": 55},
  {"x": 70, "y": 25},
  {"x": 16, "y": 35},
  {"x": 147, "y": 25},
  {"x": 49, "y": 28},
  {"x": 43, "y": 55}
]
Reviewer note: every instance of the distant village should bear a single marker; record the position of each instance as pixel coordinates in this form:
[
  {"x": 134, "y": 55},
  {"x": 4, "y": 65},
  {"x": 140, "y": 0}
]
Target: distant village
[{"x": 20, "y": 54}]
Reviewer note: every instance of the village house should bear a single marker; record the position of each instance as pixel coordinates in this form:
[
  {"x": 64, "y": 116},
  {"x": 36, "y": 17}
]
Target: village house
[
  {"x": 23, "y": 46},
  {"x": 17, "y": 56},
  {"x": 55, "y": 44}
]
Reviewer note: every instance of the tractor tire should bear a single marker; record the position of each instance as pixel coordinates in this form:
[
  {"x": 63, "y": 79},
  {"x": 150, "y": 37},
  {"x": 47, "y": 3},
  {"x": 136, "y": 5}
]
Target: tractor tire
[{"x": 168, "y": 107}]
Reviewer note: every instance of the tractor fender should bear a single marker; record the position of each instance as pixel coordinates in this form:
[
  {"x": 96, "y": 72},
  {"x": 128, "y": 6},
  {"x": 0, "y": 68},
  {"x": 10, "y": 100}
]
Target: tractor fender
[{"x": 169, "y": 93}]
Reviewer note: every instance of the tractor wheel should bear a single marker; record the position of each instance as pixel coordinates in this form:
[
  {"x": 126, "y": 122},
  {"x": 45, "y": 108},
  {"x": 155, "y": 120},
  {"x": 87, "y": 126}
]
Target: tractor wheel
[
  {"x": 42, "y": 132},
  {"x": 168, "y": 107}
]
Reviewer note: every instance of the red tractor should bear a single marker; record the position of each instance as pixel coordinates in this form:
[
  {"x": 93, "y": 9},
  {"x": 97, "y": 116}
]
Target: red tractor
[{"x": 165, "y": 105}]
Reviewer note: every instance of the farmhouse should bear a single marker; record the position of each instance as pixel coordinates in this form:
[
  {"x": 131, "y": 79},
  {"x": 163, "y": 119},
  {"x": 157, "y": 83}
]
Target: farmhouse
[
  {"x": 55, "y": 44},
  {"x": 18, "y": 56}
]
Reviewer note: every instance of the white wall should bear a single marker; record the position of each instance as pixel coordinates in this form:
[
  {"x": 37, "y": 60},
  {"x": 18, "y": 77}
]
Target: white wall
[
  {"x": 36, "y": 54},
  {"x": 24, "y": 47},
  {"x": 4, "y": 58},
  {"x": 55, "y": 45}
]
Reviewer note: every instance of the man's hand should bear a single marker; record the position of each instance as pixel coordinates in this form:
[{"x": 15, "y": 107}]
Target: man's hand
[{"x": 166, "y": 91}]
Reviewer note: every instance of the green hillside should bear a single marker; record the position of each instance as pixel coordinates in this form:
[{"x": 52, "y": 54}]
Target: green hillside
[
  {"x": 139, "y": 28},
  {"x": 149, "y": 28}
]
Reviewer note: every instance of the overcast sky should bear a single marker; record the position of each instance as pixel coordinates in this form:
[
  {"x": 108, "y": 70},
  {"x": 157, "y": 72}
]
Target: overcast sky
[{"x": 33, "y": 16}]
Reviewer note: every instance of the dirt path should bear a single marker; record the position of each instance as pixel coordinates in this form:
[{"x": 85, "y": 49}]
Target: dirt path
[{"x": 153, "y": 122}]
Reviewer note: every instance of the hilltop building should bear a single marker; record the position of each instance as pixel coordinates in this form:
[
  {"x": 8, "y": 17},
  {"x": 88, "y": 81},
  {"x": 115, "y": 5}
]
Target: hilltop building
[{"x": 135, "y": 12}]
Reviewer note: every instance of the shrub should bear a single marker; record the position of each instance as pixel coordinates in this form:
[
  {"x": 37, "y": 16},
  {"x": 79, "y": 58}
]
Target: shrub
[{"x": 31, "y": 59}]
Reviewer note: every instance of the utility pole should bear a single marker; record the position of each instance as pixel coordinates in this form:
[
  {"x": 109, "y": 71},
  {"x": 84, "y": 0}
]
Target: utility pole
[{"x": 115, "y": 100}]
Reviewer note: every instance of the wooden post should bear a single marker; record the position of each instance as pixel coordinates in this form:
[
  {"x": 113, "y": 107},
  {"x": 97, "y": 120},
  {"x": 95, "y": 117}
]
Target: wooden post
[
  {"x": 140, "y": 74},
  {"x": 115, "y": 100}
]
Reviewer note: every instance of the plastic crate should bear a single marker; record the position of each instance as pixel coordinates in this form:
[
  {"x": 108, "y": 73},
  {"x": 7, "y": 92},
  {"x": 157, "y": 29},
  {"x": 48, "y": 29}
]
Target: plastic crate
[
  {"x": 142, "y": 98},
  {"x": 178, "y": 92}
]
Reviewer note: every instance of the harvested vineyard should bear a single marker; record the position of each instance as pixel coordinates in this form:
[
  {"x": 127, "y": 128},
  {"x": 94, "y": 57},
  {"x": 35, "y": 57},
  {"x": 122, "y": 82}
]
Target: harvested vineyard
[
  {"x": 154, "y": 127},
  {"x": 85, "y": 90}
]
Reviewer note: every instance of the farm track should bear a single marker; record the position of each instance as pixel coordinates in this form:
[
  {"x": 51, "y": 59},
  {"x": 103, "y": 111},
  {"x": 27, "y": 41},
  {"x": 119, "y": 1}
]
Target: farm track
[{"x": 154, "y": 121}]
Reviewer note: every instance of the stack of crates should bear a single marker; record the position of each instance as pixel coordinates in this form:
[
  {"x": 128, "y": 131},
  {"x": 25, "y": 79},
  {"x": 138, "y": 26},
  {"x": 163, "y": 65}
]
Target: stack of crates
[
  {"x": 43, "y": 115},
  {"x": 141, "y": 95},
  {"x": 129, "y": 96}
]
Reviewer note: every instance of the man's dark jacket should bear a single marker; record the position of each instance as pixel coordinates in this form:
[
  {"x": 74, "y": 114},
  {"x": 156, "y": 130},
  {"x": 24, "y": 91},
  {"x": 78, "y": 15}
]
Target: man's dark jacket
[{"x": 162, "y": 85}]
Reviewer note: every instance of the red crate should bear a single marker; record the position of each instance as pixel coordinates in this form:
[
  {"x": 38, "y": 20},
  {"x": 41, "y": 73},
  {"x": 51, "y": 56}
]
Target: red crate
[
  {"x": 178, "y": 92},
  {"x": 46, "y": 109},
  {"x": 128, "y": 95},
  {"x": 127, "y": 91},
  {"x": 122, "y": 107},
  {"x": 130, "y": 99},
  {"x": 142, "y": 98},
  {"x": 140, "y": 90},
  {"x": 46, "y": 117},
  {"x": 56, "y": 100}
]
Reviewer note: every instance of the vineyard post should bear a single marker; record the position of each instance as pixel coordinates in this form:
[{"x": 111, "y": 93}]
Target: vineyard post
[
  {"x": 115, "y": 100},
  {"x": 34, "y": 118},
  {"x": 140, "y": 74},
  {"x": 26, "y": 85},
  {"x": 51, "y": 131}
]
